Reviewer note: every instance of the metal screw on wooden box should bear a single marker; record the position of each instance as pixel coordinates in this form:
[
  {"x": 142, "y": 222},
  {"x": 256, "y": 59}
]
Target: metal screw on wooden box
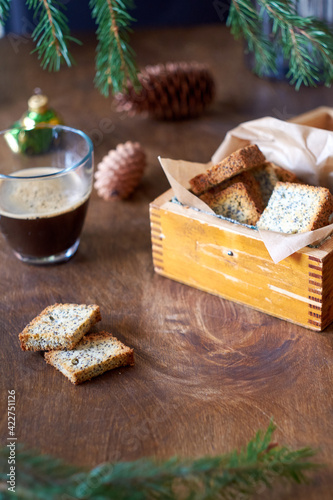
[{"x": 190, "y": 247}]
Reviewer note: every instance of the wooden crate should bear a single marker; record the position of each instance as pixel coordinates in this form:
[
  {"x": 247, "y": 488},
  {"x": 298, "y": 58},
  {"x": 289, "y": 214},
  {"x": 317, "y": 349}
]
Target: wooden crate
[{"x": 231, "y": 261}]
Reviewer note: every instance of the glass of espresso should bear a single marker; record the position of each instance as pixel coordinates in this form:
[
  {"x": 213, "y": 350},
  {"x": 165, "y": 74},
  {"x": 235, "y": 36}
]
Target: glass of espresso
[{"x": 46, "y": 176}]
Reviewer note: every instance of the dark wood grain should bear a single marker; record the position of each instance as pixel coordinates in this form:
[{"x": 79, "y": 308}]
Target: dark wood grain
[{"x": 208, "y": 372}]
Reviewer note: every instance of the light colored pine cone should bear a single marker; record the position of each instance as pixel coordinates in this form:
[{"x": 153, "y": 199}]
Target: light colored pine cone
[
  {"x": 171, "y": 91},
  {"x": 120, "y": 171}
]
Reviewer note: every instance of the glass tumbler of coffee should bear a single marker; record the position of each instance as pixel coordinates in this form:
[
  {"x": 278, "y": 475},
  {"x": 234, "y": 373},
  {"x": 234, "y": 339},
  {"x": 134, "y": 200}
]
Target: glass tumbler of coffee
[{"x": 46, "y": 176}]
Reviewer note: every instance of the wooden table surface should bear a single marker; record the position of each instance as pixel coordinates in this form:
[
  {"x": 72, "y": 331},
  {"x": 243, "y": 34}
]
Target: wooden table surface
[{"x": 209, "y": 373}]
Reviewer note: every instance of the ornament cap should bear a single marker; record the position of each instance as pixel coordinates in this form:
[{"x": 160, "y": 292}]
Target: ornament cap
[{"x": 38, "y": 103}]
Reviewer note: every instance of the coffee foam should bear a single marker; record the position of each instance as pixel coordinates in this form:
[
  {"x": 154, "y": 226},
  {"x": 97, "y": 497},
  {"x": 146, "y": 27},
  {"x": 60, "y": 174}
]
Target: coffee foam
[{"x": 43, "y": 197}]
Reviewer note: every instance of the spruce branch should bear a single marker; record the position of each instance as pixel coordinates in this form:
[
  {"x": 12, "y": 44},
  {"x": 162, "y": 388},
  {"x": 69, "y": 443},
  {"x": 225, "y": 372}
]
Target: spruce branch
[
  {"x": 306, "y": 42},
  {"x": 4, "y": 11},
  {"x": 51, "y": 34},
  {"x": 115, "y": 59},
  {"x": 244, "y": 22},
  {"x": 235, "y": 475}
]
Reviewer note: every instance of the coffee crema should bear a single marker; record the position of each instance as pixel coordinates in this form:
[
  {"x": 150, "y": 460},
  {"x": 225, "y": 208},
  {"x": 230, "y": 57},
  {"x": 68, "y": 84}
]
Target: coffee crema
[{"x": 42, "y": 217}]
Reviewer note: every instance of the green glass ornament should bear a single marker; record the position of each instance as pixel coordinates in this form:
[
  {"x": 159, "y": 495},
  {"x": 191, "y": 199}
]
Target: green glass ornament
[{"x": 28, "y": 135}]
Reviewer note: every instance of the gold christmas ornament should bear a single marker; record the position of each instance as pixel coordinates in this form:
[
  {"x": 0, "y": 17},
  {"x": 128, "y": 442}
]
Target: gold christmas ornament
[
  {"x": 120, "y": 171},
  {"x": 171, "y": 91}
]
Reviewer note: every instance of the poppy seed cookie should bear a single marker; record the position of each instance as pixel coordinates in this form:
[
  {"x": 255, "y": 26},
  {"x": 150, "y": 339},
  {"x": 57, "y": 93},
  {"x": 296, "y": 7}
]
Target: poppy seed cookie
[
  {"x": 296, "y": 208},
  {"x": 236, "y": 202},
  {"x": 285, "y": 175},
  {"x": 247, "y": 178},
  {"x": 268, "y": 174},
  {"x": 95, "y": 354},
  {"x": 60, "y": 326},
  {"x": 239, "y": 161}
]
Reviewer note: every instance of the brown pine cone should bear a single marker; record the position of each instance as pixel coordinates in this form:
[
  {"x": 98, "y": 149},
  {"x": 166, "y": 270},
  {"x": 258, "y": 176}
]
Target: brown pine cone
[
  {"x": 172, "y": 91},
  {"x": 120, "y": 171}
]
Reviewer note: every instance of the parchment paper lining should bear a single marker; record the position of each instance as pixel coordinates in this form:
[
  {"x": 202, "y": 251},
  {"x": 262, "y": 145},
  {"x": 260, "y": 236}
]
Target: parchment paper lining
[{"x": 306, "y": 151}]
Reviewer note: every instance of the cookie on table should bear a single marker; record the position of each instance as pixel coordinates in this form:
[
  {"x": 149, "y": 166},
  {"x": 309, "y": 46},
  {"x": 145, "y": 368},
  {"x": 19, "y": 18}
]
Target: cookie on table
[
  {"x": 95, "y": 354},
  {"x": 60, "y": 326}
]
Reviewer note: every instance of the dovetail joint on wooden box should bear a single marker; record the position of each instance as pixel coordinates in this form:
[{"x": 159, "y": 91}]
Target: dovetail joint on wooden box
[{"x": 156, "y": 238}]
